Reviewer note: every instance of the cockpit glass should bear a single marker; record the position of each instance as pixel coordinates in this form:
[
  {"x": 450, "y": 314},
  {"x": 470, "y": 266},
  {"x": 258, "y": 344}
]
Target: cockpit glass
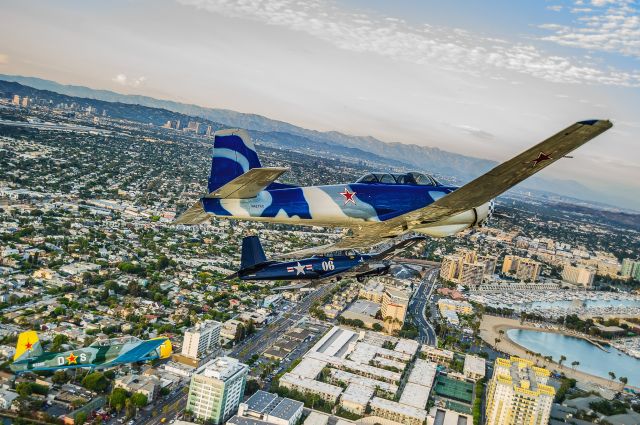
[
  {"x": 412, "y": 178},
  {"x": 386, "y": 179},
  {"x": 369, "y": 178},
  {"x": 422, "y": 179}
]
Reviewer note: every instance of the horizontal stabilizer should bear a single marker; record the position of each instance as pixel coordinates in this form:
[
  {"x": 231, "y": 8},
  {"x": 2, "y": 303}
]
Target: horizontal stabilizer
[
  {"x": 194, "y": 215},
  {"x": 249, "y": 184}
]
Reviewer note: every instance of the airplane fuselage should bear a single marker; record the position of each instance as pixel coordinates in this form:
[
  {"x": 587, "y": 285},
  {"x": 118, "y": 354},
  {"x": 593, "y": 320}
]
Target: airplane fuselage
[{"x": 344, "y": 205}]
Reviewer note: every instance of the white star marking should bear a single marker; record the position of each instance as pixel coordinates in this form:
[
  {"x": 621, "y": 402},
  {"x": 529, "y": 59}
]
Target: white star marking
[{"x": 299, "y": 269}]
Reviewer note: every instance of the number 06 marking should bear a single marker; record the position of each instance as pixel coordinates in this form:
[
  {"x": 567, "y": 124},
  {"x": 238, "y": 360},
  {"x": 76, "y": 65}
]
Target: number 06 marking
[{"x": 328, "y": 265}]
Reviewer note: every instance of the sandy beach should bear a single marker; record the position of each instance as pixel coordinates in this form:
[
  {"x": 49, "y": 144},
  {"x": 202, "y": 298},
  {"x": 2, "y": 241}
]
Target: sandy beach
[{"x": 490, "y": 330}]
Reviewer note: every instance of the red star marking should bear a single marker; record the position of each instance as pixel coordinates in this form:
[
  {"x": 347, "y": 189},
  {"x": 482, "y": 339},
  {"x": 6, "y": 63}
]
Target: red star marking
[
  {"x": 72, "y": 359},
  {"x": 348, "y": 196},
  {"x": 541, "y": 158},
  {"x": 28, "y": 345}
]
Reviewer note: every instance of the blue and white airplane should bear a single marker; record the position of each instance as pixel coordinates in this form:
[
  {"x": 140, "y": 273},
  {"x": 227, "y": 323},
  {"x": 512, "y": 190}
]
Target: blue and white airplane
[
  {"x": 255, "y": 266},
  {"x": 375, "y": 208}
]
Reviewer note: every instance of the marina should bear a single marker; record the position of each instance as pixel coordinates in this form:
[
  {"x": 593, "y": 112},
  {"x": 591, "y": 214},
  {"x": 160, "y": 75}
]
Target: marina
[{"x": 556, "y": 304}]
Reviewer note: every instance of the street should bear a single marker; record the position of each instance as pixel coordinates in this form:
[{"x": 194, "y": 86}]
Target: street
[{"x": 417, "y": 305}]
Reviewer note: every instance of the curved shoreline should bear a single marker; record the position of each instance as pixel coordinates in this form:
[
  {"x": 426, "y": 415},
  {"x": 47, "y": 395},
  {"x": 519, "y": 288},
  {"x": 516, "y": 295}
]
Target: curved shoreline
[{"x": 490, "y": 330}]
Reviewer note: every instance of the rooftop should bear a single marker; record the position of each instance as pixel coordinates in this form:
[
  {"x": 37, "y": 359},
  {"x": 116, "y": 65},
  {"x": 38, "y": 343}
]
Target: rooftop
[
  {"x": 286, "y": 409},
  {"x": 401, "y": 409},
  {"x": 222, "y": 368},
  {"x": 261, "y": 401}
]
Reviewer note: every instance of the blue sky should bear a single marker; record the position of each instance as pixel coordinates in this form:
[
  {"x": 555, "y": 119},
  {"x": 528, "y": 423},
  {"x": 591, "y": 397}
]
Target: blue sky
[{"x": 486, "y": 79}]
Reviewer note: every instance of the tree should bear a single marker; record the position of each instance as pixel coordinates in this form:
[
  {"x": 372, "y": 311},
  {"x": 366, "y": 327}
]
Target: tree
[
  {"x": 118, "y": 398},
  {"x": 377, "y": 327},
  {"x": 59, "y": 377},
  {"x": 130, "y": 409},
  {"x": 139, "y": 400},
  {"x": 612, "y": 375},
  {"x": 562, "y": 358},
  {"x": 623, "y": 379},
  {"x": 95, "y": 382},
  {"x": 58, "y": 341},
  {"x": 574, "y": 364},
  {"x": 80, "y": 418},
  {"x": 252, "y": 387},
  {"x": 24, "y": 389}
]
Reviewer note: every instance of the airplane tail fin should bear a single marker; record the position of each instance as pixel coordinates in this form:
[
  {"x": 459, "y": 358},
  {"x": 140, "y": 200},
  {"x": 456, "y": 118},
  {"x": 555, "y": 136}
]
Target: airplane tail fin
[
  {"x": 28, "y": 345},
  {"x": 252, "y": 252},
  {"x": 233, "y": 155}
]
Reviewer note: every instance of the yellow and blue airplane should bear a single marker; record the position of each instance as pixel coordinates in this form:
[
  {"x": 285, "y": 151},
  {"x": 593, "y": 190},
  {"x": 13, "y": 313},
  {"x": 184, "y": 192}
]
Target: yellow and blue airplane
[
  {"x": 375, "y": 208},
  {"x": 30, "y": 357}
]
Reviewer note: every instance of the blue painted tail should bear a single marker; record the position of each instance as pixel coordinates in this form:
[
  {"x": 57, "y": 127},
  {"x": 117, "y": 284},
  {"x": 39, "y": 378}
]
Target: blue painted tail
[
  {"x": 252, "y": 252},
  {"x": 233, "y": 155}
]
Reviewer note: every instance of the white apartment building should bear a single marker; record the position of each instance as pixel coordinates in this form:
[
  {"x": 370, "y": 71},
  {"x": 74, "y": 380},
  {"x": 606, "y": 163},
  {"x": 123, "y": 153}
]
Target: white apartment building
[
  {"x": 216, "y": 389},
  {"x": 201, "y": 339}
]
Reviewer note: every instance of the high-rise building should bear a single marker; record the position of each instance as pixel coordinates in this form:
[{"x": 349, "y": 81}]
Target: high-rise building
[
  {"x": 518, "y": 393},
  {"x": 449, "y": 269},
  {"x": 193, "y": 126},
  {"x": 202, "y": 339},
  {"x": 579, "y": 275},
  {"x": 630, "y": 268},
  {"x": 178, "y": 125},
  {"x": 25, "y": 102},
  {"x": 167, "y": 124},
  {"x": 468, "y": 255},
  {"x": 394, "y": 304},
  {"x": 510, "y": 264},
  {"x": 472, "y": 274},
  {"x": 209, "y": 131},
  {"x": 525, "y": 269},
  {"x": 463, "y": 267},
  {"x": 489, "y": 263},
  {"x": 528, "y": 270},
  {"x": 216, "y": 390},
  {"x": 16, "y": 100}
]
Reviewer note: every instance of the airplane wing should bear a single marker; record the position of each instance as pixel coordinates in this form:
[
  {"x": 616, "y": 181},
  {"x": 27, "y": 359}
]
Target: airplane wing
[
  {"x": 505, "y": 175},
  {"x": 477, "y": 192}
]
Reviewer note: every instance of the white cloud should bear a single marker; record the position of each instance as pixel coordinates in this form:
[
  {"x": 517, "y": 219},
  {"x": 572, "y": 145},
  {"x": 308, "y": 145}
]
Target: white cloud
[
  {"x": 611, "y": 26},
  {"x": 475, "y": 131},
  {"x": 446, "y": 48},
  {"x": 122, "y": 79},
  {"x": 555, "y": 8}
]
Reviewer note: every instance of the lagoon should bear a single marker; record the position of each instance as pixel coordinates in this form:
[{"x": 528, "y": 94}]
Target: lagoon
[{"x": 592, "y": 359}]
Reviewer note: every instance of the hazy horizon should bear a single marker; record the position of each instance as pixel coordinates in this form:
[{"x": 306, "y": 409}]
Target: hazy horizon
[{"x": 481, "y": 81}]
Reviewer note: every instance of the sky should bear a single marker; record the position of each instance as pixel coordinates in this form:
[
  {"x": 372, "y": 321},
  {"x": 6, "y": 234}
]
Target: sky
[{"x": 486, "y": 79}]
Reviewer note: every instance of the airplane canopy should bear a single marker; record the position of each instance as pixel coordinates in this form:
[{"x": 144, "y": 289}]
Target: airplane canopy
[{"x": 412, "y": 178}]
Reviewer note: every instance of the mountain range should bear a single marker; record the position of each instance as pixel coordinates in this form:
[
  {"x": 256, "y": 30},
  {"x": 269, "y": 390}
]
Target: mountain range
[{"x": 455, "y": 166}]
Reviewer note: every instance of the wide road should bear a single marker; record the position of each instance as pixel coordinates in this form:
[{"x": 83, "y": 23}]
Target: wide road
[
  {"x": 421, "y": 300},
  {"x": 263, "y": 339}
]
